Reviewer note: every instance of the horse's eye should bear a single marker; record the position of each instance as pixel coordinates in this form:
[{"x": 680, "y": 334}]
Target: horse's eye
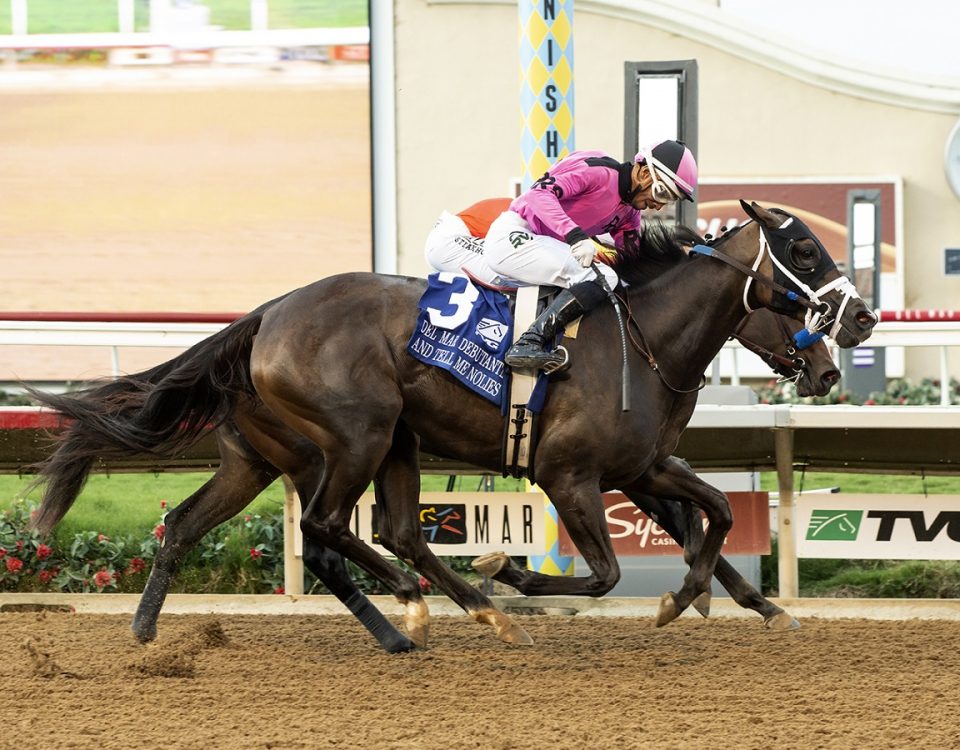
[{"x": 804, "y": 255}]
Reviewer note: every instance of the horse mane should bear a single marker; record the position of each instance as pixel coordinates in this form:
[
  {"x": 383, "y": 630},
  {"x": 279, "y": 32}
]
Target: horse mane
[{"x": 660, "y": 248}]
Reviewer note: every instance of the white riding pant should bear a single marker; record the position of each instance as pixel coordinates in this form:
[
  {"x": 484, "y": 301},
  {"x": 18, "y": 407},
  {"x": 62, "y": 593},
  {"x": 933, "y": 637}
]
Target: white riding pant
[
  {"x": 451, "y": 247},
  {"x": 515, "y": 252}
]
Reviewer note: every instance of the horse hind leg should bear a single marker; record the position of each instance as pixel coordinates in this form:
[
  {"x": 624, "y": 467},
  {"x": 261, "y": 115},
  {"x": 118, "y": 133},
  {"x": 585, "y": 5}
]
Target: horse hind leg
[
  {"x": 329, "y": 567},
  {"x": 326, "y": 520},
  {"x": 238, "y": 480},
  {"x": 398, "y": 493}
]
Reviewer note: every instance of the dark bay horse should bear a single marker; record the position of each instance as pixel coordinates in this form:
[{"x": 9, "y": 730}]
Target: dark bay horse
[
  {"x": 329, "y": 361},
  {"x": 244, "y": 472},
  {"x": 370, "y": 409}
]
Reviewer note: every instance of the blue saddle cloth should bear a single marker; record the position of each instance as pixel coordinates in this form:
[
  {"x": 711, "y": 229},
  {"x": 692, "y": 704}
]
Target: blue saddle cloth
[{"x": 466, "y": 330}]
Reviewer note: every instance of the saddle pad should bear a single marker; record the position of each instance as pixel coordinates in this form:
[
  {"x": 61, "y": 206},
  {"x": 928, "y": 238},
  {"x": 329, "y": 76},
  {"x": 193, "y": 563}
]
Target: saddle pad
[{"x": 465, "y": 330}]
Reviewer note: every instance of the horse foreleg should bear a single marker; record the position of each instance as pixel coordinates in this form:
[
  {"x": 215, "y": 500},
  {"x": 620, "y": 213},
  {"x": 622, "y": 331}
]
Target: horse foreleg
[
  {"x": 238, "y": 480},
  {"x": 674, "y": 478},
  {"x": 683, "y": 524},
  {"x": 398, "y": 492},
  {"x": 580, "y": 507}
]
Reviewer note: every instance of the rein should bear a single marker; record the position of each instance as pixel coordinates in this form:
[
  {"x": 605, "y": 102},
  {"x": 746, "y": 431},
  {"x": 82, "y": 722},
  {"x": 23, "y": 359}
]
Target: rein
[
  {"x": 797, "y": 364},
  {"x": 642, "y": 347},
  {"x": 817, "y": 310},
  {"x": 753, "y": 273}
]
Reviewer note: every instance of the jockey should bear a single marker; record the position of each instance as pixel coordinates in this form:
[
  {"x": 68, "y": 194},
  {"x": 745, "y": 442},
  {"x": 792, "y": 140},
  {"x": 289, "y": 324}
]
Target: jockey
[
  {"x": 455, "y": 243},
  {"x": 546, "y": 235}
]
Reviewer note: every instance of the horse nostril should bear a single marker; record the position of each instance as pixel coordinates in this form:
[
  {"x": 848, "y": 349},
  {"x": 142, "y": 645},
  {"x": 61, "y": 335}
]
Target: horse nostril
[
  {"x": 866, "y": 318},
  {"x": 830, "y": 377}
]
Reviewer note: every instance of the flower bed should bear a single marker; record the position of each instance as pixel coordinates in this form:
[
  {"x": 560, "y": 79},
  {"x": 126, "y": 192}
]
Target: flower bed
[{"x": 244, "y": 555}]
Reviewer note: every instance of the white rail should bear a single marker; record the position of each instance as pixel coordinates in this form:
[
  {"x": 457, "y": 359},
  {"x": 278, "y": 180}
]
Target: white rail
[{"x": 182, "y": 335}]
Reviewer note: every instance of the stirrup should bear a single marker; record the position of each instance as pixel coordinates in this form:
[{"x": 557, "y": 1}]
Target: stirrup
[{"x": 547, "y": 365}]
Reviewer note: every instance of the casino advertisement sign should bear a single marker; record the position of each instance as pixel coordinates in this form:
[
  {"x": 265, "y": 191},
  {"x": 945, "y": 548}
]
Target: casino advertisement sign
[{"x": 634, "y": 533}]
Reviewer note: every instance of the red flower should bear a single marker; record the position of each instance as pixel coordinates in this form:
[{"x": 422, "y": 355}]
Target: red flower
[
  {"x": 14, "y": 565},
  {"x": 163, "y": 504},
  {"x": 102, "y": 578},
  {"x": 137, "y": 565},
  {"x": 278, "y": 590},
  {"x": 43, "y": 552},
  {"x": 159, "y": 530},
  {"x": 102, "y": 538},
  {"x": 255, "y": 553},
  {"x": 3, "y": 553},
  {"x": 19, "y": 544},
  {"x": 45, "y": 576},
  {"x": 869, "y": 402},
  {"x": 248, "y": 518},
  {"x": 425, "y": 585}
]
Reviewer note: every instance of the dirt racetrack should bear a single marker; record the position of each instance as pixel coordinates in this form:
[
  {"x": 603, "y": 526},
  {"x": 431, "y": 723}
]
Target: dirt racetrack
[
  {"x": 181, "y": 190},
  {"x": 80, "y": 681}
]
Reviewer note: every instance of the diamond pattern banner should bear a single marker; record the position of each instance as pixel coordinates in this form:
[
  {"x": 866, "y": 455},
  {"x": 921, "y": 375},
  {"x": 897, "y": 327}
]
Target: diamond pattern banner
[
  {"x": 546, "y": 85},
  {"x": 552, "y": 563}
]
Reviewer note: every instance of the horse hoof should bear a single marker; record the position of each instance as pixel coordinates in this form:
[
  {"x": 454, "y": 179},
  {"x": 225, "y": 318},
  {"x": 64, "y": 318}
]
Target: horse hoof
[
  {"x": 490, "y": 564},
  {"x": 702, "y": 603},
  {"x": 416, "y": 621},
  {"x": 668, "y": 610},
  {"x": 418, "y": 636},
  {"x": 399, "y": 644},
  {"x": 782, "y": 622},
  {"x": 516, "y": 636},
  {"x": 144, "y": 635}
]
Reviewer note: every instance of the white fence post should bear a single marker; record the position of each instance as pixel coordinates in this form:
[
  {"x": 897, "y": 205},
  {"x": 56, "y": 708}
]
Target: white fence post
[
  {"x": 18, "y": 17},
  {"x": 786, "y": 516},
  {"x": 125, "y": 17},
  {"x": 292, "y": 565},
  {"x": 259, "y": 17}
]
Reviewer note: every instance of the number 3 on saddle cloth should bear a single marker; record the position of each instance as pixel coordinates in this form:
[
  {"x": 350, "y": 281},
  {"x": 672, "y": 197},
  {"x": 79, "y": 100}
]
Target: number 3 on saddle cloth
[{"x": 466, "y": 330}]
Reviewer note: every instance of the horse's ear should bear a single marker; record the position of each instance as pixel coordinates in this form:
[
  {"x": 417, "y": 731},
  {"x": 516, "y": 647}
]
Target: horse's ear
[{"x": 759, "y": 214}]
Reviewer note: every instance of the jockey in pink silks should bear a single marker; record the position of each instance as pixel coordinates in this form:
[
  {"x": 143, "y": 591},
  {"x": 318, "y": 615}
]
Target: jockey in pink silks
[{"x": 546, "y": 237}]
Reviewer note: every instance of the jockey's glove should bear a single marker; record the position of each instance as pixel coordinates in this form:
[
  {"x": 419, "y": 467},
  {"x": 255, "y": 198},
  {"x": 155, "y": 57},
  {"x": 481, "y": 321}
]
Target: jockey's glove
[{"x": 585, "y": 251}]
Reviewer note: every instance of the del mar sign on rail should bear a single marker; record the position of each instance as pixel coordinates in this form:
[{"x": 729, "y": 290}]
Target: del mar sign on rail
[
  {"x": 463, "y": 523},
  {"x": 879, "y": 527}
]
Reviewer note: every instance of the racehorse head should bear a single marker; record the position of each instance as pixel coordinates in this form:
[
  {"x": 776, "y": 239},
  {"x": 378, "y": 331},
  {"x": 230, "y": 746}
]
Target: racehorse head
[
  {"x": 781, "y": 343},
  {"x": 804, "y": 276}
]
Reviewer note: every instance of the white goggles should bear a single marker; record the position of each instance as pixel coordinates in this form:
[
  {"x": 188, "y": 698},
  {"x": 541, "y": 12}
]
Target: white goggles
[{"x": 663, "y": 190}]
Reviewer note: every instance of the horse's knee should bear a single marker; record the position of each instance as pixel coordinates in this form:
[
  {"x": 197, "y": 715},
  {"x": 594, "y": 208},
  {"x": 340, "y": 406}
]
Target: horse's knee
[
  {"x": 723, "y": 516},
  {"x": 604, "y": 579}
]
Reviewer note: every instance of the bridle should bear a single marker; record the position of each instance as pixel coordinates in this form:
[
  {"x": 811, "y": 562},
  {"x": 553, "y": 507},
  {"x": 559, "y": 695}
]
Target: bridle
[
  {"x": 817, "y": 318},
  {"x": 791, "y": 367},
  {"x": 819, "y": 311}
]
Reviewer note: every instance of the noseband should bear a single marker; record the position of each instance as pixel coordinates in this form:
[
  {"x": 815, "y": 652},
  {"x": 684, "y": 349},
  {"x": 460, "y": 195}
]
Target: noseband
[
  {"x": 819, "y": 311},
  {"x": 790, "y": 368}
]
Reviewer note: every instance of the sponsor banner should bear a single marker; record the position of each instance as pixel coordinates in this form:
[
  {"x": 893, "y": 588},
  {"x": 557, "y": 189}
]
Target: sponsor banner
[
  {"x": 463, "y": 523},
  {"x": 879, "y": 527},
  {"x": 635, "y": 533}
]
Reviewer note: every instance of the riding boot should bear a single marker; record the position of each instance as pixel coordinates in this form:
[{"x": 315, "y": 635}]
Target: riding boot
[{"x": 528, "y": 353}]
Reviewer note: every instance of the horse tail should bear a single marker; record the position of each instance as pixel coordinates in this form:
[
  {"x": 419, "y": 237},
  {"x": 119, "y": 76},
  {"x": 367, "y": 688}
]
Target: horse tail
[{"x": 160, "y": 412}]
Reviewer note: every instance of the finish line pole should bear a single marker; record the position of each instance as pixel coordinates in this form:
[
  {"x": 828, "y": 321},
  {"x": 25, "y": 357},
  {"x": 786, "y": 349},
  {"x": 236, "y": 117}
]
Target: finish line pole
[
  {"x": 546, "y": 106},
  {"x": 546, "y": 88}
]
